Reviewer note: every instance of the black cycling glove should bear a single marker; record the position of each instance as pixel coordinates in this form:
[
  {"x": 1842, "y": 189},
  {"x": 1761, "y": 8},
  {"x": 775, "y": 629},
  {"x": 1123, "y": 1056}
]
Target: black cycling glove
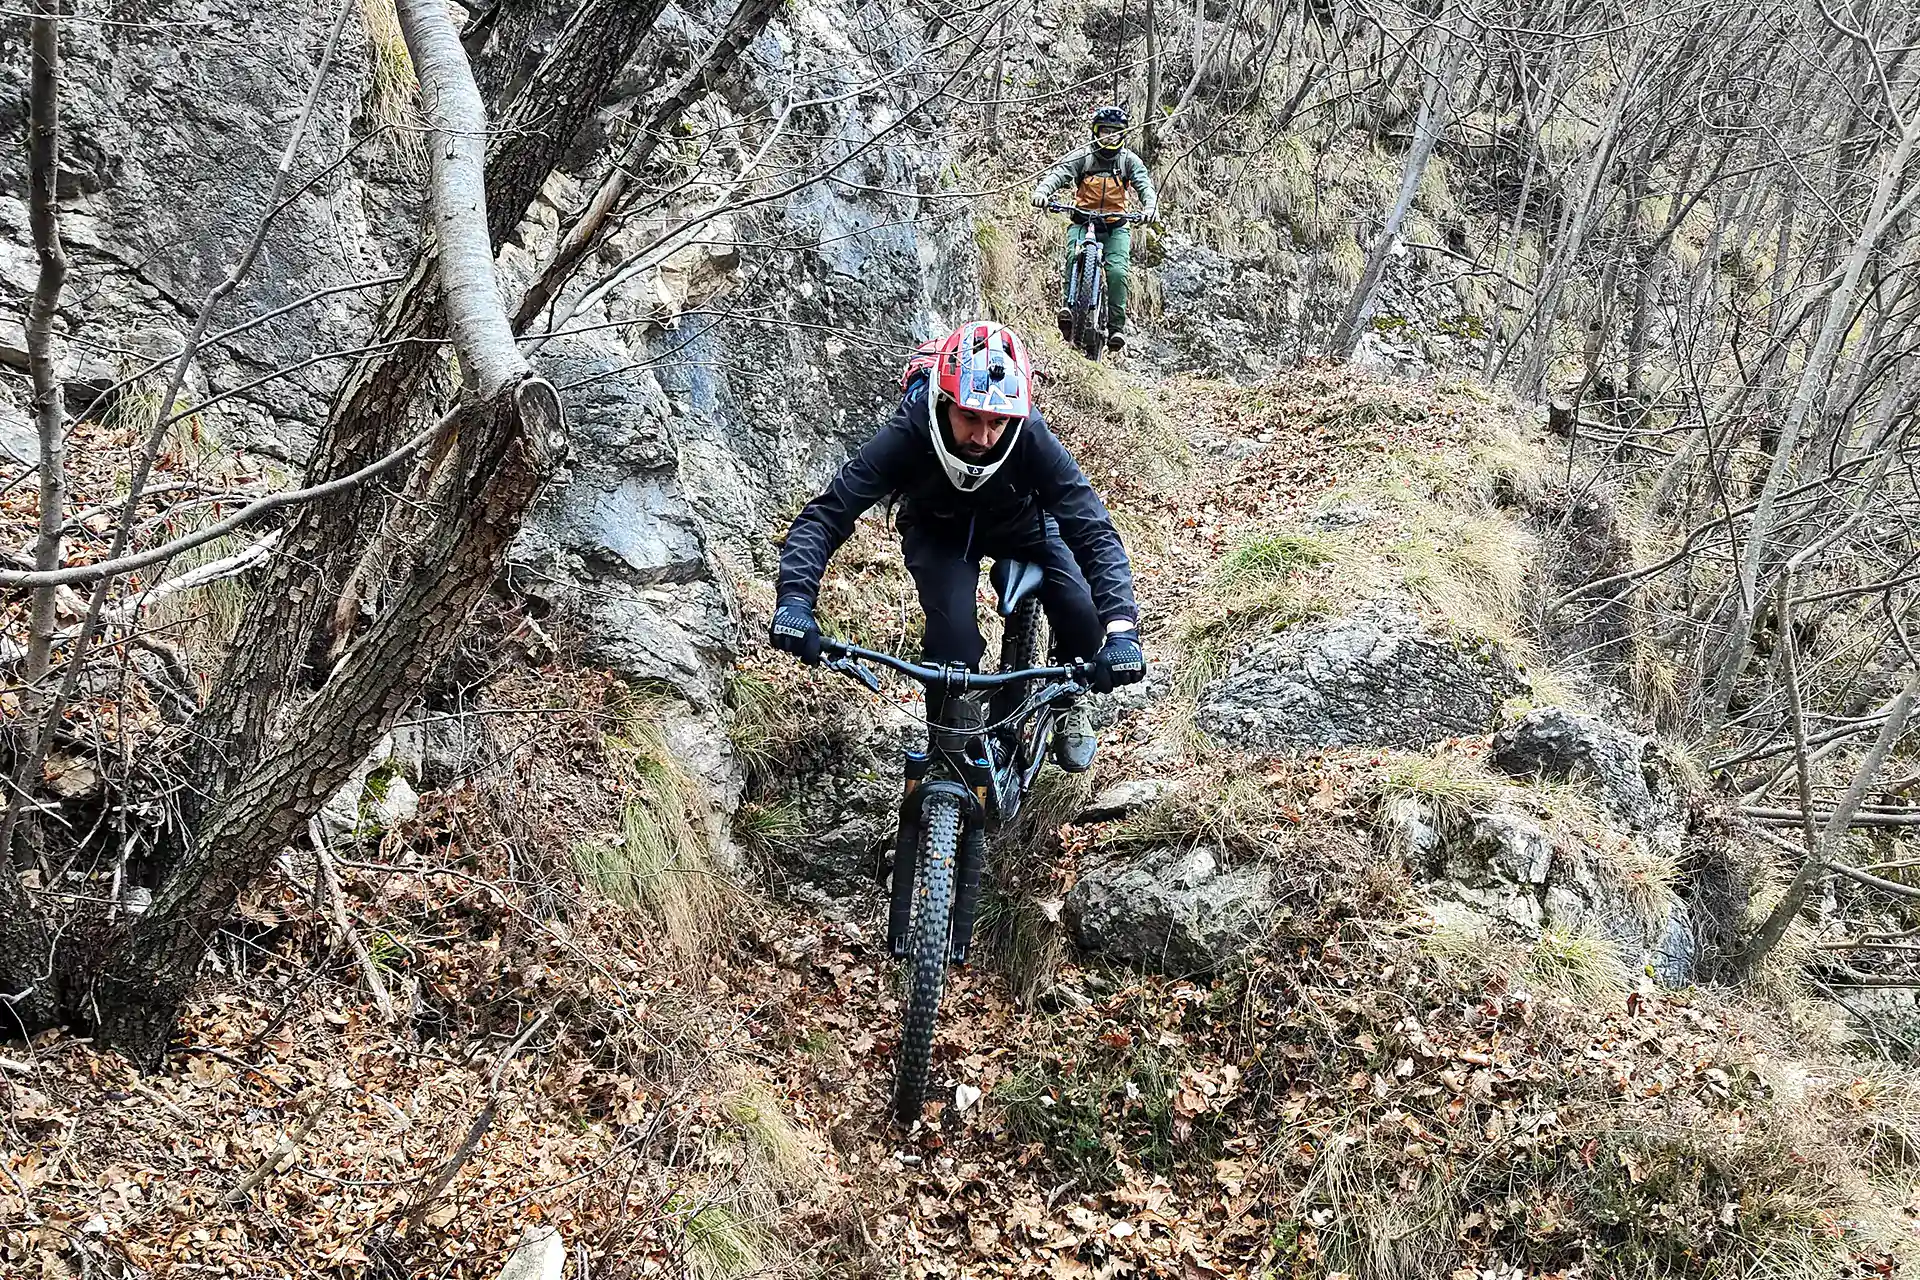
[
  {"x": 794, "y": 630},
  {"x": 1119, "y": 661}
]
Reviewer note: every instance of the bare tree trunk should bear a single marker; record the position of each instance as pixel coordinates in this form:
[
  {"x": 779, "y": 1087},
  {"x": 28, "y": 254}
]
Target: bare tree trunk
[
  {"x": 1881, "y": 218},
  {"x": 1150, "y": 114},
  {"x": 1203, "y": 62},
  {"x": 49, "y": 410},
  {"x": 286, "y": 627},
  {"x": 990, "y": 121},
  {"x": 1259, "y": 62},
  {"x": 1574, "y": 226},
  {"x": 1819, "y": 858},
  {"x": 27, "y": 769},
  {"x": 742, "y": 29},
  {"x": 1432, "y": 122},
  {"x": 1653, "y": 263},
  {"x": 27, "y": 987},
  {"x": 507, "y": 436},
  {"x": 1508, "y": 247}
]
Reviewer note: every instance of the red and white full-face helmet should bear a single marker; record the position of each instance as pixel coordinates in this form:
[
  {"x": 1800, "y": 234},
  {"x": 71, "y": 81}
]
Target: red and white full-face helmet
[{"x": 983, "y": 367}]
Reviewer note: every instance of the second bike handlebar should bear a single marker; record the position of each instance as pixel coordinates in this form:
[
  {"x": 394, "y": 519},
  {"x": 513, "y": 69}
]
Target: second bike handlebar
[
  {"x": 1078, "y": 214},
  {"x": 846, "y": 658}
]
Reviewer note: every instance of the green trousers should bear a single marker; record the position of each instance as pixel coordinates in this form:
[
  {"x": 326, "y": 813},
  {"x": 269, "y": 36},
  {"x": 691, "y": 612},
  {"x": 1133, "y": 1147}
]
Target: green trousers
[{"x": 1119, "y": 260}]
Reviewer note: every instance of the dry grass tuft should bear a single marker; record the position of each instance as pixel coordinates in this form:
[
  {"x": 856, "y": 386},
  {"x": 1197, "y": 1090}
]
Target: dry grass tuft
[
  {"x": 393, "y": 95},
  {"x": 661, "y": 859}
]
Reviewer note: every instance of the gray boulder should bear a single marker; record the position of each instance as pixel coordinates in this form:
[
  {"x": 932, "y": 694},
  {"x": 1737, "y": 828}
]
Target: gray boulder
[
  {"x": 1628, "y": 773},
  {"x": 693, "y": 436},
  {"x": 1177, "y": 911},
  {"x": 1381, "y": 678},
  {"x": 1505, "y": 873},
  {"x": 376, "y": 798},
  {"x": 166, "y": 165},
  {"x": 1124, "y": 798},
  {"x": 19, "y": 437},
  {"x": 845, "y": 793},
  {"x": 444, "y": 750},
  {"x": 1221, "y": 316}
]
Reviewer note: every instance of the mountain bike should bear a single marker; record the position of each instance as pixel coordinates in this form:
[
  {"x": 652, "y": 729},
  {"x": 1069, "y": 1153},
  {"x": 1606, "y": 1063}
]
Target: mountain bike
[
  {"x": 1086, "y": 296},
  {"x": 980, "y": 763}
]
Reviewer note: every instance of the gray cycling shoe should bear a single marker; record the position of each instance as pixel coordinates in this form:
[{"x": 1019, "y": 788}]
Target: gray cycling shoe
[{"x": 1073, "y": 739}]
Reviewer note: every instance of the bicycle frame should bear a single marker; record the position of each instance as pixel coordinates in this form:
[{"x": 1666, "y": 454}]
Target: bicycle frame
[
  {"x": 1089, "y": 262},
  {"x": 988, "y": 761},
  {"x": 978, "y": 773}
]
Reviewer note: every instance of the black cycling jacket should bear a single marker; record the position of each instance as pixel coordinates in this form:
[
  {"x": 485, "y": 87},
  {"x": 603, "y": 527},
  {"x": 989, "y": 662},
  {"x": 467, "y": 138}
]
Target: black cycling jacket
[{"x": 1038, "y": 478}]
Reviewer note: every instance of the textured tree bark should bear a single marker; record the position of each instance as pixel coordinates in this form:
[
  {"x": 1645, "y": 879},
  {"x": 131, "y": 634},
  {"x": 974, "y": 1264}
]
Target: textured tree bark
[
  {"x": 506, "y": 446},
  {"x": 286, "y": 628},
  {"x": 507, "y": 437},
  {"x": 26, "y": 961},
  {"x": 43, "y": 164},
  {"x": 1435, "y": 107}
]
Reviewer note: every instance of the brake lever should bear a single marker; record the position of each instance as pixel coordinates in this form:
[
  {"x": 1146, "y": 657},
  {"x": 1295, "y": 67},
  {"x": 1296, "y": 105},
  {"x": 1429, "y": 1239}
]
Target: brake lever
[{"x": 853, "y": 667}]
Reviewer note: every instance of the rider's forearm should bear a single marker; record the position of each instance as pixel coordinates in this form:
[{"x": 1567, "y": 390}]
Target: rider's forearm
[
  {"x": 823, "y": 527},
  {"x": 1102, "y": 558},
  {"x": 1143, "y": 187},
  {"x": 1085, "y": 524},
  {"x": 803, "y": 560}
]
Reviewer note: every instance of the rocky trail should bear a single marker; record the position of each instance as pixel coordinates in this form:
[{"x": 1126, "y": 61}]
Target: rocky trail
[
  {"x": 1388, "y": 940},
  {"x": 1332, "y": 1011}
]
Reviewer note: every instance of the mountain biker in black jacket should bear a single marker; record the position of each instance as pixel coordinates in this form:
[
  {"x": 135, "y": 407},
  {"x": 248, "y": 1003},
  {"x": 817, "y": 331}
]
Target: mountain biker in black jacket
[{"x": 977, "y": 474}]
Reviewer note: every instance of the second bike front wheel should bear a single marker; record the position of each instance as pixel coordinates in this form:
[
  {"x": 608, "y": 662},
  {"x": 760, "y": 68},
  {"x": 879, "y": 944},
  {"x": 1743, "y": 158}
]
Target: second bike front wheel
[
  {"x": 941, "y": 826},
  {"x": 1088, "y": 333}
]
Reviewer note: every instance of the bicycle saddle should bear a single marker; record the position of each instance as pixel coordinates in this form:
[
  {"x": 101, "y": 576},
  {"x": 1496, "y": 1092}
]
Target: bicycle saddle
[{"x": 1013, "y": 581}]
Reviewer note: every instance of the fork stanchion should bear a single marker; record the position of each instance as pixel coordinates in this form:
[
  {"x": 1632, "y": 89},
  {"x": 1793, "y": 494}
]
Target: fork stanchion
[
  {"x": 906, "y": 848},
  {"x": 973, "y": 862}
]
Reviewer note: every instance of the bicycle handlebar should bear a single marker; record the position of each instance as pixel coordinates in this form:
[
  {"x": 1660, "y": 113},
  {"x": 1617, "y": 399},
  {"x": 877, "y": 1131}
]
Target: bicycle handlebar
[
  {"x": 845, "y": 658},
  {"x": 1083, "y": 215}
]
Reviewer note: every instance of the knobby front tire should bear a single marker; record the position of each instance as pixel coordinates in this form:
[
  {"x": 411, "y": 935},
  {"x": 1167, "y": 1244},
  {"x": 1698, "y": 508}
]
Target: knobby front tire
[
  {"x": 1087, "y": 334},
  {"x": 941, "y": 826}
]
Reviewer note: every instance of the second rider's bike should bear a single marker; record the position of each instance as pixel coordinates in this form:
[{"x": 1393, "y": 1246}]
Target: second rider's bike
[
  {"x": 1086, "y": 292},
  {"x": 981, "y": 762}
]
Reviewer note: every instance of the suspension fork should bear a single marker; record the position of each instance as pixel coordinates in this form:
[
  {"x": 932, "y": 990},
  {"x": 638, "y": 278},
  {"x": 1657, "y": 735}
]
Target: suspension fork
[
  {"x": 973, "y": 864},
  {"x": 1076, "y": 263},
  {"x": 906, "y": 847}
]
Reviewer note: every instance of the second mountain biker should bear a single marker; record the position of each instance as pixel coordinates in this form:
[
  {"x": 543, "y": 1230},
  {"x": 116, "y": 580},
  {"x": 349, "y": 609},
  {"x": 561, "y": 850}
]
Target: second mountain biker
[
  {"x": 978, "y": 474},
  {"x": 1100, "y": 174}
]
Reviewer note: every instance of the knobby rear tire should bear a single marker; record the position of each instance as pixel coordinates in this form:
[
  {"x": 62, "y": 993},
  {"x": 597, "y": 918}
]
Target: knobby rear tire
[
  {"x": 941, "y": 825},
  {"x": 1021, "y": 641}
]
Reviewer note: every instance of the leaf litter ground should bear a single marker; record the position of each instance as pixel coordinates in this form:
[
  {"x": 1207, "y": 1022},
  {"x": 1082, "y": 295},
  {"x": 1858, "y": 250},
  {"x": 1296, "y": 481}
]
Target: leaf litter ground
[{"x": 1351, "y": 1101}]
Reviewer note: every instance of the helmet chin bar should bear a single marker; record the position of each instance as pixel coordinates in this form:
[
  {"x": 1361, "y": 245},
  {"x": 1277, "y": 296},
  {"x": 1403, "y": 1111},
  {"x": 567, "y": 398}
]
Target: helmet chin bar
[{"x": 964, "y": 473}]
